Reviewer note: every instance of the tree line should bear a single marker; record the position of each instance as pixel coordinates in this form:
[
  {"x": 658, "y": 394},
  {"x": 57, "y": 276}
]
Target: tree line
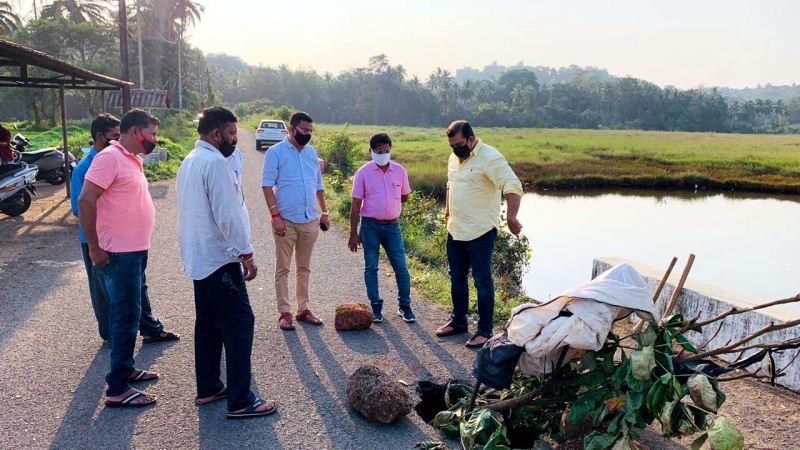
[{"x": 84, "y": 32}]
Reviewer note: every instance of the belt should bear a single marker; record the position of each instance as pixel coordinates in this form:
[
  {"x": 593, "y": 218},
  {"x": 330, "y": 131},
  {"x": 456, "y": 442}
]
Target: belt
[{"x": 382, "y": 222}]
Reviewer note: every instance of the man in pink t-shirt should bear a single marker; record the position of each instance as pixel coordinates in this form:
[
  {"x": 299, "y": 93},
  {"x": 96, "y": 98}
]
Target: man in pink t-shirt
[
  {"x": 117, "y": 217},
  {"x": 380, "y": 188}
]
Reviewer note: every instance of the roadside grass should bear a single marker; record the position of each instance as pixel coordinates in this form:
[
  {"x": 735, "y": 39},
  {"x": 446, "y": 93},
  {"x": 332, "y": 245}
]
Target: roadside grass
[{"x": 578, "y": 159}]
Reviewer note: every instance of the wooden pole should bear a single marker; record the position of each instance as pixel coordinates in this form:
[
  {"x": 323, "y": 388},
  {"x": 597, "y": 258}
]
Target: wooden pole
[
  {"x": 67, "y": 174},
  {"x": 640, "y": 325},
  {"x": 674, "y": 298},
  {"x": 123, "y": 53}
]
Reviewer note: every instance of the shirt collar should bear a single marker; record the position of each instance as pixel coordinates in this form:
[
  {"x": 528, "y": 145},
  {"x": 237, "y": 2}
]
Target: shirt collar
[
  {"x": 377, "y": 167},
  {"x": 478, "y": 147},
  {"x": 93, "y": 151},
  {"x": 205, "y": 145}
]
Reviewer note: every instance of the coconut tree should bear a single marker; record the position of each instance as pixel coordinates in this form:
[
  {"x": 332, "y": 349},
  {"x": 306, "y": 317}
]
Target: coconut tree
[
  {"x": 184, "y": 12},
  {"x": 9, "y": 20},
  {"x": 77, "y": 11}
]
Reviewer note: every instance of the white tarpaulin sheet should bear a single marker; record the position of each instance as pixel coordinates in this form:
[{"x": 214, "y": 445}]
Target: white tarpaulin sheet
[{"x": 579, "y": 318}]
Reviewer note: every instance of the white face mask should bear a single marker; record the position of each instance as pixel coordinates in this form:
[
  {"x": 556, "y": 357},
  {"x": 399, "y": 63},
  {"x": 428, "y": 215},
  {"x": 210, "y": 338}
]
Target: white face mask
[{"x": 381, "y": 160}]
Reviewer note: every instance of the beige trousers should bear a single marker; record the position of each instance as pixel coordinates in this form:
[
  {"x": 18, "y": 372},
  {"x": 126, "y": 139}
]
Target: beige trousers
[{"x": 299, "y": 241}]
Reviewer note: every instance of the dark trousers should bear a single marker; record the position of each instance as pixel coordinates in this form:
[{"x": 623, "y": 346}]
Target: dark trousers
[
  {"x": 148, "y": 324},
  {"x": 476, "y": 254},
  {"x": 224, "y": 318}
]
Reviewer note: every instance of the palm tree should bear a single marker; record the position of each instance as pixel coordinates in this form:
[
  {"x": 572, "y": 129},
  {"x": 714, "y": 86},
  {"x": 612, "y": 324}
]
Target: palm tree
[
  {"x": 9, "y": 20},
  {"x": 77, "y": 11},
  {"x": 184, "y": 12}
]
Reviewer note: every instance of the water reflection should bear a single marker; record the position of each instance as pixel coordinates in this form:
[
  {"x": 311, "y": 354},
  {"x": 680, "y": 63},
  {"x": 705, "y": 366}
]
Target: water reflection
[{"x": 743, "y": 242}]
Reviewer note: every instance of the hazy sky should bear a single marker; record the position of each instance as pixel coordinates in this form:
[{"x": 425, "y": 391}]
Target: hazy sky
[{"x": 732, "y": 43}]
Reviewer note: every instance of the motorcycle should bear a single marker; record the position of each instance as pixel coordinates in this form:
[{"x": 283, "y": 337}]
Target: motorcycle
[
  {"x": 50, "y": 161},
  {"x": 16, "y": 187}
]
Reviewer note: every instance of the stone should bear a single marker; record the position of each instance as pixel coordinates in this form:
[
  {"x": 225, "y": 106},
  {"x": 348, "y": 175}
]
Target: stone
[
  {"x": 353, "y": 316},
  {"x": 378, "y": 397}
]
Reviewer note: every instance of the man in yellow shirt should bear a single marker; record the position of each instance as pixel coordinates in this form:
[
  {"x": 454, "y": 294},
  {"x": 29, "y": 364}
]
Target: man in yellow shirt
[{"x": 476, "y": 176}]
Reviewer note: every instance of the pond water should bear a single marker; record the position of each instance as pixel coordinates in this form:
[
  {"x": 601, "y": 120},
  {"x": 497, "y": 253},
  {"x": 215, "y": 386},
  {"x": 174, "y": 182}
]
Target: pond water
[{"x": 742, "y": 242}]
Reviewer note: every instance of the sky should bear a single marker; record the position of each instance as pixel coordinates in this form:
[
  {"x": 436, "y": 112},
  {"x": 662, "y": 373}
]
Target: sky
[{"x": 732, "y": 43}]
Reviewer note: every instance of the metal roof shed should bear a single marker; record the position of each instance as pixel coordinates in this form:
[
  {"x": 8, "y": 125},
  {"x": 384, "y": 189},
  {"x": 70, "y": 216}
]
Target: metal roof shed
[
  {"x": 140, "y": 98},
  {"x": 64, "y": 76}
]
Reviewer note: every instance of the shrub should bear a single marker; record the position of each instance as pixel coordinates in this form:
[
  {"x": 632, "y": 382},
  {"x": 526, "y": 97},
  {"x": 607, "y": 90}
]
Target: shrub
[{"x": 339, "y": 150}]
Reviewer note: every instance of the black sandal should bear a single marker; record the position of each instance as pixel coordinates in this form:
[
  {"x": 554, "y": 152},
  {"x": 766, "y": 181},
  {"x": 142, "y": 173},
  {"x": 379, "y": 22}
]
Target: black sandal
[
  {"x": 250, "y": 411},
  {"x": 475, "y": 336},
  {"x": 158, "y": 338},
  {"x": 454, "y": 330}
]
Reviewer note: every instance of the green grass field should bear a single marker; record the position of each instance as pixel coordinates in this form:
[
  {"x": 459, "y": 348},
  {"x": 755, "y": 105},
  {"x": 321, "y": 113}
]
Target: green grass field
[{"x": 560, "y": 158}]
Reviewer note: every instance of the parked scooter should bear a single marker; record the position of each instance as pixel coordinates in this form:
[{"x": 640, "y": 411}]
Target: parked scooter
[
  {"x": 50, "y": 161},
  {"x": 16, "y": 187}
]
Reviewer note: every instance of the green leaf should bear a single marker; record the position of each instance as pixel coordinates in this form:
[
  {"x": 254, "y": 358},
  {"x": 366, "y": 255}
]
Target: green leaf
[
  {"x": 451, "y": 431},
  {"x": 686, "y": 344},
  {"x": 697, "y": 443},
  {"x": 702, "y": 392},
  {"x": 622, "y": 372},
  {"x": 457, "y": 389},
  {"x": 589, "y": 361},
  {"x": 643, "y": 362},
  {"x": 655, "y": 397},
  {"x": 648, "y": 337},
  {"x": 431, "y": 445},
  {"x": 484, "y": 430},
  {"x": 591, "y": 379},
  {"x": 585, "y": 404},
  {"x": 597, "y": 441},
  {"x": 723, "y": 434},
  {"x": 445, "y": 418},
  {"x": 674, "y": 321}
]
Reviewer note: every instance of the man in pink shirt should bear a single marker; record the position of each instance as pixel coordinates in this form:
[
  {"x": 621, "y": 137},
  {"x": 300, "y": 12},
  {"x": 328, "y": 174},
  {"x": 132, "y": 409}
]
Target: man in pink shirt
[
  {"x": 117, "y": 217},
  {"x": 380, "y": 188}
]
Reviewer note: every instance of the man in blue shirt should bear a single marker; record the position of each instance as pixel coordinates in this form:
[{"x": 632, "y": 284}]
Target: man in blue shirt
[
  {"x": 292, "y": 185},
  {"x": 104, "y": 129}
]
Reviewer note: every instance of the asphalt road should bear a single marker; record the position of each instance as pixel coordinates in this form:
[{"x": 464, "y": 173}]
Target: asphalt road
[{"x": 52, "y": 365}]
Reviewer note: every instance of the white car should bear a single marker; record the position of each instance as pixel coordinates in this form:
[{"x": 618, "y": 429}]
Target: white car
[{"x": 270, "y": 132}]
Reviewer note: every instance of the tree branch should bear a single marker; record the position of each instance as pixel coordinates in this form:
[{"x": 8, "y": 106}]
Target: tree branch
[
  {"x": 736, "y": 346},
  {"x": 693, "y": 325},
  {"x": 531, "y": 397}
]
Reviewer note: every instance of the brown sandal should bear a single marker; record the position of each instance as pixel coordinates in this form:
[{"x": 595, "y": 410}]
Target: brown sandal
[
  {"x": 308, "y": 317},
  {"x": 285, "y": 322}
]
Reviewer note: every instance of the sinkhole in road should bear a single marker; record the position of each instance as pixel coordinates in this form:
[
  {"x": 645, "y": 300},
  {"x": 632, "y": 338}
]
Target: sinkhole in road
[{"x": 432, "y": 401}]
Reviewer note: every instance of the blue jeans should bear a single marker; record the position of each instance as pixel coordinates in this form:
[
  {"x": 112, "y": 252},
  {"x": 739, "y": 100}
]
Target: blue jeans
[
  {"x": 224, "y": 318},
  {"x": 148, "y": 324},
  {"x": 374, "y": 235},
  {"x": 477, "y": 254},
  {"x": 124, "y": 280}
]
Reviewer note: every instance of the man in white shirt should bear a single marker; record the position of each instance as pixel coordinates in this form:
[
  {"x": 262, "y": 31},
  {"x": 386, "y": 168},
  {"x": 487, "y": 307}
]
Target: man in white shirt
[
  {"x": 214, "y": 240},
  {"x": 236, "y": 161}
]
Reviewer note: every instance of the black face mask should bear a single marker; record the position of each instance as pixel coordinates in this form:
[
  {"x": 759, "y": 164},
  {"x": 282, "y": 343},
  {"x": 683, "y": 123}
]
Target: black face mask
[
  {"x": 226, "y": 148},
  {"x": 302, "y": 139},
  {"x": 147, "y": 145},
  {"x": 462, "y": 151}
]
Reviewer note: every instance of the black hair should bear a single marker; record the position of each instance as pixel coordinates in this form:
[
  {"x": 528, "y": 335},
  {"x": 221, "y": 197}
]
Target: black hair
[
  {"x": 137, "y": 118},
  {"x": 102, "y": 124},
  {"x": 460, "y": 126},
  {"x": 214, "y": 118},
  {"x": 379, "y": 139},
  {"x": 298, "y": 117}
]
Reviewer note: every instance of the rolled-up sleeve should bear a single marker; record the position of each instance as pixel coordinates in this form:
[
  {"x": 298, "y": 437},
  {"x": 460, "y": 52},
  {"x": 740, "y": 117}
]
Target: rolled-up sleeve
[
  {"x": 269, "y": 175},
  {"x": 229, "y": 215}
]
